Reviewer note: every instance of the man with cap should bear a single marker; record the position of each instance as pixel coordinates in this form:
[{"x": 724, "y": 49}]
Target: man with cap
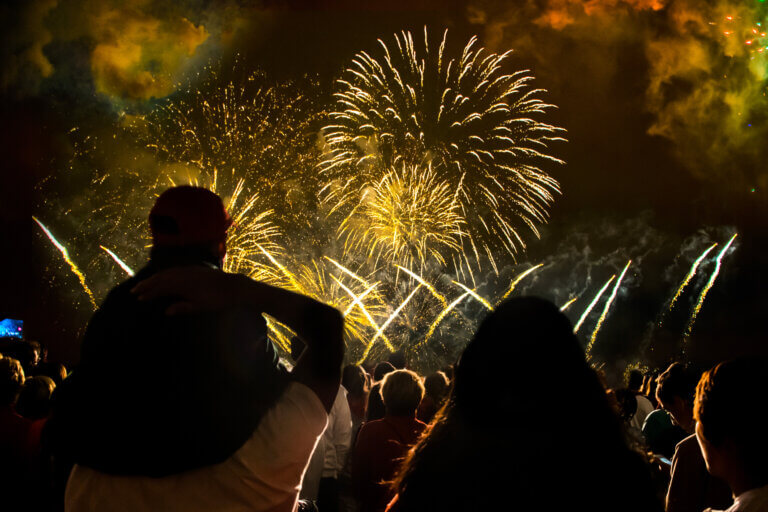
[{"x": 179, "y": 401}]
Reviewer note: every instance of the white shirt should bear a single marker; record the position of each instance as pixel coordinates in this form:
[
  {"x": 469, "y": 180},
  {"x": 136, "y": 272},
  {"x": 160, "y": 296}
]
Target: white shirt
[
  {"x": 330, "y": 454},
  {"x": 263, "y": 475},
  {"x": 338, "y": 435},
  {"x": 644, "y": 408},
  {"x": 754, "y": 500}
]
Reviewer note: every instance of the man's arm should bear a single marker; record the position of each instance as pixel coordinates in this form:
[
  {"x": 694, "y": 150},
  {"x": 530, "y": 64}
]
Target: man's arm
[{"x": 320, "y": 326}]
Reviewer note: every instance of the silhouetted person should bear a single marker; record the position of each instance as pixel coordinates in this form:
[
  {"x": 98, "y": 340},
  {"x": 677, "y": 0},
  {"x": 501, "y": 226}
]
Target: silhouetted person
[
  {"x": 34, "y": 400},
  {"x": 179, "y": 402},
  {"x": 547, "y": 451},
  {"x": 691, "y": 488},
  {"x": 731, "y": 429},
  {"x": 381, "y": 444},
  {"x": 375, "y": 408},
  {"x": 436, "y": 387},
  {"x": 19, "y": 444},
  {"x": 644, "y": 406}
]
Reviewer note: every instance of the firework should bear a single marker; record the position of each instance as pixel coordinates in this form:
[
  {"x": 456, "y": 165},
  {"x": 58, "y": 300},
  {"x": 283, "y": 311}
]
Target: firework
[
  {"x": 128, "y": 270},
  {"x": 690, "y": 275},
  {"x": 386, "y": 324},
  {"x": 474, "y": 295},
  {"x": 428, "y": 286},
  {"x": 708, "y": 286},
  {"x": 72, "y": 265},
  {"x": 607, "y": 306},
  {"x": 248, "y": 128},
  {"x": 568, "y": 304},
  {"x": 517, "y": 280},
  {"x": 412, "y": 104},
  {"x": 408, "y": 217},
  {"x": 592, "y": 304},
  {"x": 442, "y": 316}
]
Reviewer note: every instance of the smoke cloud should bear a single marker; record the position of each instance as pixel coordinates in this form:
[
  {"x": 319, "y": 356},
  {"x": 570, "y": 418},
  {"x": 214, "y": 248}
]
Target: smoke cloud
[{"x": 704, "y": 75}]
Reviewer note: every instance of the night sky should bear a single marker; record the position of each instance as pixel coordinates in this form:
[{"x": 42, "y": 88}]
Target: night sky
[{"x": 663, "y": 102}]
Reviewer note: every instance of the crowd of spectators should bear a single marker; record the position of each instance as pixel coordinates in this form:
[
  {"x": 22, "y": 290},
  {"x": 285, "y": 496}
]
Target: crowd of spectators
[{"x": 180, "y": 402}]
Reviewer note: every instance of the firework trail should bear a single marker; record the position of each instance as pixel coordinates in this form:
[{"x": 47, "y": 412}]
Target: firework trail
[
  {"x": 412, "y": 104},
  {"x": 442, "y": 316},
  {"x": 516, "y": 281},
  {"x": 708, "y": 286},
  {"x": 690, "y": 275},
  {"x": 386, "y": 324},
  {"x": 128, "y": 270},
  {"x": 592, "y": 304},
  {"x": 407, "y": 217},
  {"x": 428, "y": 286},
  {"x": 475, "y": 296},
  {"x": 568, "y": 304},
  {"x": 72, "y": 265},
  {"x": 607, "y": 306}
]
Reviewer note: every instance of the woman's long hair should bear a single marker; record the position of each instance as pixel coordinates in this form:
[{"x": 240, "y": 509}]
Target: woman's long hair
[{"x": 527, "y": 425}]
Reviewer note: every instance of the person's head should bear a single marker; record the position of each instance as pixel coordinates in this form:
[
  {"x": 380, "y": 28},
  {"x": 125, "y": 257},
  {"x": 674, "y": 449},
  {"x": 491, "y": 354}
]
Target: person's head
[
  {"x": 191, "y": 219},
  {"x": 11, "y": 380},
  {"x": 538, "y": 339},
  {"x": 354, "y": 381},
  {"x": 436, "y": 386},
  {"x": 526, "y": 361},
  {"x": 34, "y": 400},
  {"x": 56, "y": 371},
  {"x": 731, "y": 421},
  {"x": 635, "y": 380},
  {"x": 397, "y": 359},
  {"x": 381, "y": 369},
  {"x": 36, "y": 353},
  {"x": 627, "y": 403},
  {"x": 674, "y": 391},
  {"x": 401, "y": 392}
]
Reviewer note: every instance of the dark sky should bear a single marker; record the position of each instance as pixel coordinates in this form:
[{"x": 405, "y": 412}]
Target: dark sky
[{"x": 664, "y": 112}]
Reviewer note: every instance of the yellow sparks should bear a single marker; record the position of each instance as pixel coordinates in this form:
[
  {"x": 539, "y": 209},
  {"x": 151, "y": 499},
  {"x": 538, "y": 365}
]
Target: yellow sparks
[
  {"x": 393, "y": 315},
  {"x": 690, "y": 274},
  {"x": 476, "y": 296},
  {"x": 517, "y": 280},
  {"x": 428, "y": 286},
  {"x": 128, "y": 270},
  {"x": 592, "y": 304},
  {"x": 72, "y": 265},
  {"x": 607, "y": 306},
  {"x": 386, "y": 324},
  {"x": 357, "y": 301},
  {"x": 708, "y": 286},
  {"x": 441, "y": 316},
  {"x": 568, "y": 304}
]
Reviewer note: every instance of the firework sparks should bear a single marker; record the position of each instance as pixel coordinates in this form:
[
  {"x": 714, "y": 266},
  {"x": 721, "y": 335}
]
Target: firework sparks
[
  {"x": 607, "y": 306},
  {"x": 386, "y": 324},
  {"x": 592, "y": 304},
  {"x": 414, "y": 105},
  {"x": 568, "y": 304},
  {"x": 128, "y": 270},
  {"x": 475, "y": 296},
  {"x": 690, "y": 275},
  {"x": 708, "y": 286},
  {"x": 72, "y": 265},
  {"x": 407, "y": 217},
  {"x": 428, "y": 286},
  {"x": 442, "y": 316},
  {"x": 516, "y": 281}
]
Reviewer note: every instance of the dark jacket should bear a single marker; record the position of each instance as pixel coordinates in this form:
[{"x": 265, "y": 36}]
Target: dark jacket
[{"x": 155, "y": 395}]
